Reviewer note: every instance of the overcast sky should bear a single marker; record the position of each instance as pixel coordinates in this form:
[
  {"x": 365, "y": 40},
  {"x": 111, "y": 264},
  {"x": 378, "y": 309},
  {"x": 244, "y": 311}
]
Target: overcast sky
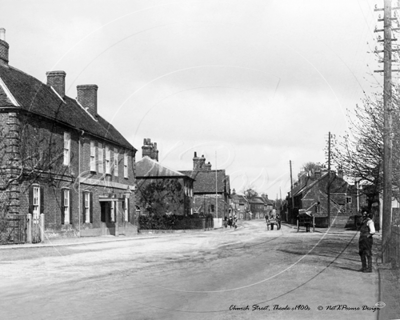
[{"x": 248, "y": 84}]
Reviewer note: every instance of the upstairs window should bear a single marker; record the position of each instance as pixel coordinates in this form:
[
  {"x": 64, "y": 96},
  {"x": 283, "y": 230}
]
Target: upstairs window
[
  {"x": 116, "y": 162},
  {"x": 126, "y": 165},
  {"x": 92, "y": 156},
  {"x": 67, "y": 148},
  {"x": 108, "y": 159},
  {"x": 101, "y": 157}
]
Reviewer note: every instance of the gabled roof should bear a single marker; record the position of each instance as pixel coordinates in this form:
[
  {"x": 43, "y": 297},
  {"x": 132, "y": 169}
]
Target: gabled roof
[
  {"x": 240, "y": 198},
  {"x": 33, "y": 96},
  {"x": 149, "y": 168},
  {"x": 312, "y": 183},
  {"x": 207, "y": 181},
  {"x": 256, "y": 200}
]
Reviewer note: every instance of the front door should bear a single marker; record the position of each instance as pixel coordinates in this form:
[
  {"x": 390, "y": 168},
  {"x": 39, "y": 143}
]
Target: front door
[{"x": 108, "y": 218}]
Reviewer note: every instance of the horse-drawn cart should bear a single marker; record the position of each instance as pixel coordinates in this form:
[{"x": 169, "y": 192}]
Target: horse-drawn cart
[
  {"x": 273, "y": 222},
  {"x": 305, "y": 219}
]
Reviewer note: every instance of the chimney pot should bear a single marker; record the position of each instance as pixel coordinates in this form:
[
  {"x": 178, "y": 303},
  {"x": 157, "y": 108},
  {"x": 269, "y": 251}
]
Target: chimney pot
[
  {"x": 3, "y": 34},
  {"x": 87, "y": 97},
  {"x": 149, "y": 149}
]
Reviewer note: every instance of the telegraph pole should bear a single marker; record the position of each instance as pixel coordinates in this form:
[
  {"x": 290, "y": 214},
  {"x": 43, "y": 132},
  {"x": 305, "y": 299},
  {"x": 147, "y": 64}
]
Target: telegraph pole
[
  {"x": 388, "y": 120},
  {"x": 216, "y": 186},
  {"x": 291, "y": 184},
  {"x": 328, "y": 187}
]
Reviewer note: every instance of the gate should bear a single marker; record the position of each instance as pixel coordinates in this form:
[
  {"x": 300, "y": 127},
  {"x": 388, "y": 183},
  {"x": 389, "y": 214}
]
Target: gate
[{"x": 13, "y": 229}]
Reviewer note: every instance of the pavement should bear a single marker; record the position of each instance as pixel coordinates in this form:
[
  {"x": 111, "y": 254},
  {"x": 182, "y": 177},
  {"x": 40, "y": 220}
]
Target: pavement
[{"x": 389, "y": 279}]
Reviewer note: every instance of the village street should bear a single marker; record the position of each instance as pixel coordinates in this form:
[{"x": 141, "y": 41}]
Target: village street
[{"x": 248, "y": 273}]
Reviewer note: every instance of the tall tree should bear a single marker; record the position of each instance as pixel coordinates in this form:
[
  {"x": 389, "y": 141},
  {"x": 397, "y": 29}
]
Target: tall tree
[
  {"x": 310, "y": 167},
  {"x": 360, "y": 151}
]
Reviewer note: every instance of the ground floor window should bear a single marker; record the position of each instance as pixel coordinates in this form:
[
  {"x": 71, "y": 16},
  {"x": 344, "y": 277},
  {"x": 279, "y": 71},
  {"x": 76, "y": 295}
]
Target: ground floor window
[
  {"x": 112, "y": 213},
  {"x": 35, "y": 202},
  {"x": 87, "y": 207},
  {"x": 65, "y": 206},
  {"x": 125, "y": 207}
]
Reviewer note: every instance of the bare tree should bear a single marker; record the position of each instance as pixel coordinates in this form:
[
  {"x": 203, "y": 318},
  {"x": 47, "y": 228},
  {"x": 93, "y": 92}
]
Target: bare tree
[
  {"x": 29, "y": 153},
  {"x": 360, "y": 151},
  {"x": 310, "y": 167}
]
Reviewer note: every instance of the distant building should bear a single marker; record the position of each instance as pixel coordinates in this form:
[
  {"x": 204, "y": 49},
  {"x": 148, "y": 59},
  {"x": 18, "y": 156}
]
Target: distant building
[
  {"x": 240, "y": 206},
  {"x": 211, "y": 188},
  {"x": 311, "y": 193},
  {"x": 258, "y": 207},
  {"x": 159, "y": 189}
]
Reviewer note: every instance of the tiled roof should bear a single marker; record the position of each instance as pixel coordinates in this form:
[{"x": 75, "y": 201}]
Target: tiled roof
[
  {"x": 240, "y": 198},
  {"x": 256, "y": 200},
  {"x": 206, "y": 181},
  {"x": 147, "y": 167},
  {"x": 34, "y": 96}
]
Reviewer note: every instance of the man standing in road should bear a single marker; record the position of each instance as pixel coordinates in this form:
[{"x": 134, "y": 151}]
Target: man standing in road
[{"x": 367, "y": 230}]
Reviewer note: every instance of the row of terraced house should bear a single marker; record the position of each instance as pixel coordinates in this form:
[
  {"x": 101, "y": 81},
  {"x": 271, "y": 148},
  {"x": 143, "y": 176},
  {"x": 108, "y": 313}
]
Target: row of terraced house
[{"x": 66, "y": 171}]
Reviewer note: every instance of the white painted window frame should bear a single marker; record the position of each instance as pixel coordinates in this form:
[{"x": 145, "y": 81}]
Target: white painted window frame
[
  {"x": 86, "y": 196},
  {"x": 126, "y": 165},
  {"x": 67, "y": 148},
  {"x": 36, "y": 204},
  {"x": 116, "y": 154},
  {"x": 67, "y": 209},
  {"x": 92, "y": 156},
  {"x": 101, "y": 158},
  {"x": 108, "y": 160}
]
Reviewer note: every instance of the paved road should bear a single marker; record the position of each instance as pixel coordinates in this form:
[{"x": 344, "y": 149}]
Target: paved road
[{"x": 249, "y": 273}]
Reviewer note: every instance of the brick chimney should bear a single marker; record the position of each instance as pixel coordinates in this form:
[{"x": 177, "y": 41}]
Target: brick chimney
[
  {"x": 87, "y": 97},
  {"x": 207, "y": 166},
  {"x": 196, "y": 162},
  {"x": 340, "y": 173},
  {"x": 149, "y": 149},
  {"x": 202, "y": 162},
  {"x": 155, "y": 152},
  {"x": 56, "y": 79},
  {"x": 3, "y": 48}
]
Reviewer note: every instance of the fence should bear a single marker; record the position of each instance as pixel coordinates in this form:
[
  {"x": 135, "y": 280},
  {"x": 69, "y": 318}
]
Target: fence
[{"x": 13, "y": 229}]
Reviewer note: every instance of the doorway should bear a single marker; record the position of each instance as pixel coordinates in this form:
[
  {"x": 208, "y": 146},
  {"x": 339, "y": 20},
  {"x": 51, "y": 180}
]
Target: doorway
[{"x": 107, "y": 218}]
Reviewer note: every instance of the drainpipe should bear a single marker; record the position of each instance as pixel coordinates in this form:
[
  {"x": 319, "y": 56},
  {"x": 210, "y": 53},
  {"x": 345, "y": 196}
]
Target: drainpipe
[{"x": 79, "y": 183}]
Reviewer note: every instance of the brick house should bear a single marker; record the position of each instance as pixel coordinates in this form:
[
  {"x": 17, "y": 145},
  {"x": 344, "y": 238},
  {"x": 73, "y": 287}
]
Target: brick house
[
  {"x": 311, "y": 193},
  {"x": 258, "y": 207},
  {"x": 211, "y": 188},
  {"x": 240, "y": 206},
  {"x": 61, "y": 158},
  {"x": 160, "y": 189}
]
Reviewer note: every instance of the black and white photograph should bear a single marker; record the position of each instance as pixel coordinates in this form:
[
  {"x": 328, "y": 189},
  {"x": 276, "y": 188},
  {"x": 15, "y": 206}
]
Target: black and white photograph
[{"x": 190, "y": 160}]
